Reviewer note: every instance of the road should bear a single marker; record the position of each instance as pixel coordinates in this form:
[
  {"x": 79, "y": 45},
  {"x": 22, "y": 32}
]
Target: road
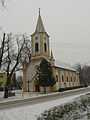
[{"x": 40, "y": 99}]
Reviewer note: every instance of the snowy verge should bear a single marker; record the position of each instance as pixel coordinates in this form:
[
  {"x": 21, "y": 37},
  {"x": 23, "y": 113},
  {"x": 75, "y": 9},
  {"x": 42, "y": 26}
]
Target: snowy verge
[
  {"x": 31, "y": 112},
  {"x": 79, "y": 109}
]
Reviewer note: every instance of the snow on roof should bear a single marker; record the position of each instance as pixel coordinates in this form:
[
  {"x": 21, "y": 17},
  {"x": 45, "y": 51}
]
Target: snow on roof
[{"x": 64, "y": 66}]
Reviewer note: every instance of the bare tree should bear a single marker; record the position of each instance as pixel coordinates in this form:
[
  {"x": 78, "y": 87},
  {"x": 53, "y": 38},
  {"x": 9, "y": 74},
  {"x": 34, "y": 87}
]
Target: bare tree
[
  {"x": 86, "y": 74},
  {"x": 26, "y": 52},
  {"x": 3, "y": 3},
  {"x": 18, "y": 52},
  {"x": 2, "y": 49}
]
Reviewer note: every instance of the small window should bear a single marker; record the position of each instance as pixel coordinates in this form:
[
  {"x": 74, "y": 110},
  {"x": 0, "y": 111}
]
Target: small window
[
  {"x": 45, "y": 47},
  {"x": 36, "y": 47},
  {"x": 36, "y": 38}
]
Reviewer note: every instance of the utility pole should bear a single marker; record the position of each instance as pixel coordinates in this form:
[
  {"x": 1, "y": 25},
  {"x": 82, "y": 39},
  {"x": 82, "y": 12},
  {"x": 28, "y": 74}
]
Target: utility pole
[{"x": 28, "y": 85}]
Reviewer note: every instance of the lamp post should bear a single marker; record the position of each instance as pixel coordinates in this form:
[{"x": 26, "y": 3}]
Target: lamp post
[{"x": 28, "y": 84}]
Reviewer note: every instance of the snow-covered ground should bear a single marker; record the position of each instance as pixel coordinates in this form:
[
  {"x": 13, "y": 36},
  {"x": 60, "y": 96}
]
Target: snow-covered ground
[{"x": 31, "y": 112}]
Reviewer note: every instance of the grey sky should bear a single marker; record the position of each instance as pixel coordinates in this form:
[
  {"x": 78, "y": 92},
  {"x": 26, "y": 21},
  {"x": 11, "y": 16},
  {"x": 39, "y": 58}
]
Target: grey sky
[{"x": 66, "y": 21}]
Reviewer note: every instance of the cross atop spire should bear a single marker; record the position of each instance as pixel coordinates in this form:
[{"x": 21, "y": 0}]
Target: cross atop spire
[{"x": 39, "y": 11}]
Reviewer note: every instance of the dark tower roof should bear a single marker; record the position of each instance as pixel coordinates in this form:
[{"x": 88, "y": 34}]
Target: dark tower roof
[{"x": 40, "y": 26}]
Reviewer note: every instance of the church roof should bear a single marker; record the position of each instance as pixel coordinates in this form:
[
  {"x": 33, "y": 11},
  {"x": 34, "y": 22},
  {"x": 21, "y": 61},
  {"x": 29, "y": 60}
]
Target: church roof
[
  {"x": 40, "y": 26},
  {"x": 64, "y": 66}
]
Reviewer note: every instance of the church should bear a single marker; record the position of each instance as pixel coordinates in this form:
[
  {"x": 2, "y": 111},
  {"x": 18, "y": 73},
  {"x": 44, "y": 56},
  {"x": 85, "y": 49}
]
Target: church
[{"x": 64, "y": 76}]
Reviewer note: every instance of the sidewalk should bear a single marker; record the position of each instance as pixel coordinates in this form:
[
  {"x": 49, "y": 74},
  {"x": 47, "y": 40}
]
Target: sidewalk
[{"x": 18, "y": 96}]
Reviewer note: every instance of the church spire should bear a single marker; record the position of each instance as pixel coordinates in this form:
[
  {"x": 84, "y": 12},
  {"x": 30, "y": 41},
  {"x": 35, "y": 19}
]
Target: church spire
[{"x": 40, "y": 26}]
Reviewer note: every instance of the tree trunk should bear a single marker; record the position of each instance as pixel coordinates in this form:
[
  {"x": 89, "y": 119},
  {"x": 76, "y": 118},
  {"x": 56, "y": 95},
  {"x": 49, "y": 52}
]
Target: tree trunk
[{"x": 6, "y": 90}]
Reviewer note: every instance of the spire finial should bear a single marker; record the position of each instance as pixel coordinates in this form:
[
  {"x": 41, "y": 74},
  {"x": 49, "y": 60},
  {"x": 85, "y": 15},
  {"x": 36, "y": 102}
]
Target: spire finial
[
  {"x": 39, "y": 11},
  {"x": 52, "y": 54}
]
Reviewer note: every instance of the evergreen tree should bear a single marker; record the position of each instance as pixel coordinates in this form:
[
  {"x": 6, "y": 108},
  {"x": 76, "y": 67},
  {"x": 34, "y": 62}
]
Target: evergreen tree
[{"x": 45, "y": 75}]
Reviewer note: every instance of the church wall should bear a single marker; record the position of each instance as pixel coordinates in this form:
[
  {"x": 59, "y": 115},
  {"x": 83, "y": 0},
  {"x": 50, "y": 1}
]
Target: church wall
[
  {"x": 31, "y": 74},
  {"x": 72, "y": 81},
  {"x": 66, "y": 78},
  {"x": 48, "y": 89}
]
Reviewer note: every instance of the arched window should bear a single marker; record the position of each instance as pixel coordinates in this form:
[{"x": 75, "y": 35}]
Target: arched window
[
  {"x": 45, "y": 47},
  {"x": 36, "y": 47},
  {"x": 56, "y": 78},
  {"x": 75, "y": 79},
  {"x": 71, "y": 79},
  {"x": 62, "y": 78},
  {"x": 67, "y": 78}
]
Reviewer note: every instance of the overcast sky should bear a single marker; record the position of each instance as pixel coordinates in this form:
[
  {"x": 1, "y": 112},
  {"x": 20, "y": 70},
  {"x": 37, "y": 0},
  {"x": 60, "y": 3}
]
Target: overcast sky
[{"x": 66, "y": 21}]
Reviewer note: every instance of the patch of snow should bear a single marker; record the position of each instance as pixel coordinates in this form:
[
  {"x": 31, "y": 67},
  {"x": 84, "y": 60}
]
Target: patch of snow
[{"x": 31, "y": 112}]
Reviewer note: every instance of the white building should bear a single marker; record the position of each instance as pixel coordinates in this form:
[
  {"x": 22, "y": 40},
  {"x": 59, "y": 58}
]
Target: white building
[{"x": 64, "y": 76}]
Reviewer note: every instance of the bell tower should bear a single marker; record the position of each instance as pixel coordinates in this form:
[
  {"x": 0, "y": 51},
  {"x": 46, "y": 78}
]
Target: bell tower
[
  {"x": 40, "y": 49},
  {"x": 40, "y": 41}
]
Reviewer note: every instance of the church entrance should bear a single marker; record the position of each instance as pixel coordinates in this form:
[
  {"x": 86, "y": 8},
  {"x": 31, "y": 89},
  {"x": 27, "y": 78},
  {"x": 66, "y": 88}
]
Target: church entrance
[{"x": 37, "y": 88}]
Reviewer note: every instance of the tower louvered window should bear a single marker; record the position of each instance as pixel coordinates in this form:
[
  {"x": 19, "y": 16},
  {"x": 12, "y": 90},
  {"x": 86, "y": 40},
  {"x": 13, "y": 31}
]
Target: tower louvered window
[
  {"x": 45, "y": 47},
  {"x": 36, "y": 47}
]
